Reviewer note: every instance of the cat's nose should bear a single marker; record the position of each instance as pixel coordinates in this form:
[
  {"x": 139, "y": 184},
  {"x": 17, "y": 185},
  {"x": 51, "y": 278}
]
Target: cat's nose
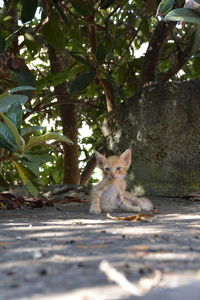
[{"x": 113, "y": 175}]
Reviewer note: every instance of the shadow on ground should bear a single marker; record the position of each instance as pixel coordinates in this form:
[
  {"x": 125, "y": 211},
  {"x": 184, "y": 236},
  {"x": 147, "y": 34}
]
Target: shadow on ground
[{"x": 55, "y": 252}]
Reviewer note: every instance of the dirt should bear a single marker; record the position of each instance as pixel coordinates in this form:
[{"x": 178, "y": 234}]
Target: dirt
[{"x": 55, "y": 253}]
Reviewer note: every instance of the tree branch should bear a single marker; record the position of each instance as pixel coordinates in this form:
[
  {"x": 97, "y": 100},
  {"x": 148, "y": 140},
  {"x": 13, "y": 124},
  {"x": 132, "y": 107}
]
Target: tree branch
[
  {"x": 89, "y": 168},
  {"x": 50, "y": 105},
  {"x": 181, "y": 59},
  {"x": 152, "y": 55}
]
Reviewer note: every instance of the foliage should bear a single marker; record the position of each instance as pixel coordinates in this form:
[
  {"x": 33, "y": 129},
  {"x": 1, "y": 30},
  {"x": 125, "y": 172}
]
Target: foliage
[
  {"x": 101, "y": 46},
  {"x": 16, "y": 144}
]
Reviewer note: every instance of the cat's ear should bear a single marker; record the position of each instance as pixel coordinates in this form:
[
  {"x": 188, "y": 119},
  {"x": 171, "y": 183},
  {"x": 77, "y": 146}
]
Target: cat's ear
[
  {"x": 100, "y": 159},
  {"x": 126, "y": 157}
]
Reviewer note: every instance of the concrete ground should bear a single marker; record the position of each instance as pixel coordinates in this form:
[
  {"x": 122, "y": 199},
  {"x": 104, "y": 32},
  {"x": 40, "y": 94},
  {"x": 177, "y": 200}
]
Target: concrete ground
[{"x": 55, "y": 253}]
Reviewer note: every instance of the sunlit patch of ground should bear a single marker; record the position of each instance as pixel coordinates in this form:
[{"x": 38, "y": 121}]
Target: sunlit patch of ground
[{"x": 55, "y": 253}]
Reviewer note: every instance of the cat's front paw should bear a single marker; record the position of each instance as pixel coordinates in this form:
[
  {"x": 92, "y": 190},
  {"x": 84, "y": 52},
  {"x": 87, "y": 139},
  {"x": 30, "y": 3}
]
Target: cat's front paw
[{"x": 94, "y": 210}]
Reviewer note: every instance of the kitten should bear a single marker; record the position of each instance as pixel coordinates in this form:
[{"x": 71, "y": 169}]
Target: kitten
[{"x": 110, "y": 193}]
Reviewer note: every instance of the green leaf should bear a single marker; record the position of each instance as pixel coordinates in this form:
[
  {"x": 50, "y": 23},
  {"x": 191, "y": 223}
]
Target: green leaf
[
  {"x": 14, "y": 113},
  {"x": 106, "y": 3},
  {"x": 82, "y": 7},
  {"x": 82, "y": 81},
  {"x": 8, "y": 100},
  {"x": 183, "y": 15},
  {"x": 28, "y": 177},
  {"x": 26, "y": 131},
  {"x": 5, "y": 144},
  {"x": 6, "y": 138},
  {"x": 34, "y": 167},
  {"x": 28, "y": 10},
  {"x": 57, "y": 78},
  {"x": 78, "y": 57},
  {"x": 24, "y": 78},
  {"x": 22, "y": 88},
  {"x": 13, "y": 130},
  {"x": 33, "y": 162},
  {"x": 76, "y": 69},
  {"x": 53, "y": 33},
  {"x": 164, "y": 7},
  {"x": 38, "y": 140},
  {"x": 37, "y": 159},
  {"x": 52, "y": 79},
  {"x": 101, "y": 53}
]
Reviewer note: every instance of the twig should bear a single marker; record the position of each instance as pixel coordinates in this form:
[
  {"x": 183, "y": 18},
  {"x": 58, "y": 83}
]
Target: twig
[
  {"x": 143, "y": 286},
  {"x": 69, "y": 102},
  {"x": 120, "y": 279}
]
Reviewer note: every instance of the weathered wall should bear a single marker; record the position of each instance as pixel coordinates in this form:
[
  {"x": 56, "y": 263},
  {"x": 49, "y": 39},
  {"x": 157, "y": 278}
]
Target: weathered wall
[{"x": 163, "y": 129}]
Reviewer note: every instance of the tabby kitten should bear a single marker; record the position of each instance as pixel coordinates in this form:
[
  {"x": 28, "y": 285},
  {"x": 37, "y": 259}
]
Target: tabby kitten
[{"x": 110, "y": 193}]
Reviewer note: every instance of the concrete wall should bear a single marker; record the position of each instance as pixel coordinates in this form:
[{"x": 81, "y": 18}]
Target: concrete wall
[{"x": 162, "y": 127}]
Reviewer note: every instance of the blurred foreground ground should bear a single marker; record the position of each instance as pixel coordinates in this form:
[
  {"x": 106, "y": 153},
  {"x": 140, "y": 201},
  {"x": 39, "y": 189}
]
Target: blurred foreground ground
[{"x": 55, "y": 252}]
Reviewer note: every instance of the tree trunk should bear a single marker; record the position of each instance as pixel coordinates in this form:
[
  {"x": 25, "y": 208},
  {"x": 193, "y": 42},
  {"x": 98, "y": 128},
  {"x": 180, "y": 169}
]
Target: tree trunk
[
  {"x": 105, "y": 84},
  {"x": 68, "y": 114}
]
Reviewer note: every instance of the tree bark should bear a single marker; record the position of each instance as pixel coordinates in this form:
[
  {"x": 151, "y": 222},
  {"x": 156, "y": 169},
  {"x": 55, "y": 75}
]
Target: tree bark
[
  {"x": 88, "y": 170},
  {"x": 90, "y": 166},
  {"x": 105, "y": 83},
  {"x": 68, "y": 114},
  {"x": 152, "y": 56}
]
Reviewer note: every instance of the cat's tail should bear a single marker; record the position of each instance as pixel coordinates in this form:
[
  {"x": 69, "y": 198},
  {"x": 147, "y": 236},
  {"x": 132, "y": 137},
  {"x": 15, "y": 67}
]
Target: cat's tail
[{"x": 142, "y": 202}]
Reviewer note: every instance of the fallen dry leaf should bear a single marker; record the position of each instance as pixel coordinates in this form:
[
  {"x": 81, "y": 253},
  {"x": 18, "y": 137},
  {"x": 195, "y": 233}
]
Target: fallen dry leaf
[
  {"x": 134, "y": 218},
  {"x": 156, "y": 211},
  {"x": 142, "y": 247}
]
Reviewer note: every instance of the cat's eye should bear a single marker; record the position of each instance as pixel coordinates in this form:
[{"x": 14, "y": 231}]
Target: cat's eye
[
  {"x": 118, "y": 168},
  {"x": 107, "y": 169}
]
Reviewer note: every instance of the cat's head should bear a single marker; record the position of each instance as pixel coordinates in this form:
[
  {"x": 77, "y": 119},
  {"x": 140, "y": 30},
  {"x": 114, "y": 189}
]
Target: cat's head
[{"x": 114, "y": 166}]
